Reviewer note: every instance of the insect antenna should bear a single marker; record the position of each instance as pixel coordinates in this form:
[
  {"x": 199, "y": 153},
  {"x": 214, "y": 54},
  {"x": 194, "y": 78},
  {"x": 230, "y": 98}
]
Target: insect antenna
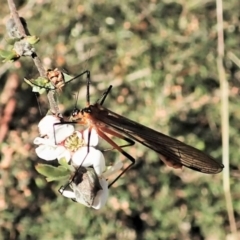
[
  {"x": 79, "y": 75},
  {"x": 88, "y": 88}
]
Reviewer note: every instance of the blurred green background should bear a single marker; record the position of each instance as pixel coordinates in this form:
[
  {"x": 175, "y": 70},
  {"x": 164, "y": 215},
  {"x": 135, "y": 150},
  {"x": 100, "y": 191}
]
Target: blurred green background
[{"x": 160, "y": 57}]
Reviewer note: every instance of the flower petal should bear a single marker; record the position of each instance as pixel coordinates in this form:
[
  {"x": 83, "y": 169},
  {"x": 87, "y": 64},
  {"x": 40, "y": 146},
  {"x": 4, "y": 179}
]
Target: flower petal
[
  {"x": 99, "y": 200},
  {"x": 79, "y": 134},
  {"x": 58, "y": 132},
  {"x": 102, "y": 195},
  {"x": 63, "y": 154},
  {"x": 68, "y": 193},
  {"x": 49, "y": 153},
  {"x": 44, "y": 141},
  {"x": 113, "y": 169},
  {"x": 63, "y": 131},
  {"x": 93, "y": 137},
  {"x": 46, "y": 124},
  {"x": 94, "y": 158}
]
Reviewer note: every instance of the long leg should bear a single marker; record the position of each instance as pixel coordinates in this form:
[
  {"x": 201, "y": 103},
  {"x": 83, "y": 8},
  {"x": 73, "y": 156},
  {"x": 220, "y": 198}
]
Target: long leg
[
  {"x": 52, "y": 89},
  {"x": 115, "y": 146},
  {"x": 69, "y": 182},
  {"x": 105, "y": 94},
  {"x": 115, "y": 134},
  {"x": 60, "y": 123},
  {"x": 62, "y": 188},
  {"x": 102, "y": 134}
]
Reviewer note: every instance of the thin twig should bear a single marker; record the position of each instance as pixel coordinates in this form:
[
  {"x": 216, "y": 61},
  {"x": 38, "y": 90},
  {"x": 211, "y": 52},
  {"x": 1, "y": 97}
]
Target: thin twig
[
  {"x": 16, "y": 18},
  {"x": 52, "y": 102},
  {"x": 224, "y": 118}
]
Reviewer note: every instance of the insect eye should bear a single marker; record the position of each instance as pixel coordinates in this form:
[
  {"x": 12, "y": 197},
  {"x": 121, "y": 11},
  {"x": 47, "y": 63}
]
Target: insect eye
[
  {"x": 87, "y": 110},
  {"x": 75, "y": 112}
]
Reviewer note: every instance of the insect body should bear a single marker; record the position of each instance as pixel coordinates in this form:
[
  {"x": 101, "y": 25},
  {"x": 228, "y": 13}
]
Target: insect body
[{"x": 171, "y": 151}]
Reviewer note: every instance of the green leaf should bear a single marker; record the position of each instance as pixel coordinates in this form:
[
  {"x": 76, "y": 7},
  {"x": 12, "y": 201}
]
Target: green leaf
[
  {"x": 63, "y": 162},
  {"x": 53, "y": 173},
  {"x": 8, "y": 55},
  {"x": 51, "y": 179},
  {"x": 32, "y": 39},
  {"x": 39, "y": 84}
]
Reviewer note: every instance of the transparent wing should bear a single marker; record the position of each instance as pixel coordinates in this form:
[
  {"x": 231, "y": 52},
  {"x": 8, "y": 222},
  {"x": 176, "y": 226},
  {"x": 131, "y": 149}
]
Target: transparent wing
[{"x": 173, "y": 152}]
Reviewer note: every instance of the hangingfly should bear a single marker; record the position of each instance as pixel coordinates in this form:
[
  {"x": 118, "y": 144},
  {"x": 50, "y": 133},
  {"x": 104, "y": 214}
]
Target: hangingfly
[{"x": 171, "y": 151}]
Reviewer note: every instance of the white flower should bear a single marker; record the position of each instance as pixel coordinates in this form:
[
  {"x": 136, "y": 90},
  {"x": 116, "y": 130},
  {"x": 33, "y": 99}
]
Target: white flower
[
  {"x": 113, "y": 169},
  {"x": 78, "y": 148},
  {"x": 99, "y": 200},
  {"x": 50, "y": 126},
  {"x": 46, "y": 124},
  {"x": 61, "y": 140},
  {"x": 93, "y": 158},
  {"x": 101, "y": 196},
  {"x": 49, "y": 152},
  {"x": 84, "y": 192}
]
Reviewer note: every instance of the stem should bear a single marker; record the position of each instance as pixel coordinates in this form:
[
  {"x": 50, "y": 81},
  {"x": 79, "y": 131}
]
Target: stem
[
  {"x": 224, "y": 118},
  {"x": 52, "y": 102}
]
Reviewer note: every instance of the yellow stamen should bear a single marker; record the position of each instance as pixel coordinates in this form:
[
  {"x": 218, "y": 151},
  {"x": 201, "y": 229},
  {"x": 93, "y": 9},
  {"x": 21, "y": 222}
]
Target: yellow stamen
[{"x": 73, "y": 142}]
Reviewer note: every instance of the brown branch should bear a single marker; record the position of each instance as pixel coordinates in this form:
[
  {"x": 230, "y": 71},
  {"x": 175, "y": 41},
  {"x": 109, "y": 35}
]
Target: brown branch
[
  {"x": 16, "y": 18},
  {"x": 22, "y": 30}
]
